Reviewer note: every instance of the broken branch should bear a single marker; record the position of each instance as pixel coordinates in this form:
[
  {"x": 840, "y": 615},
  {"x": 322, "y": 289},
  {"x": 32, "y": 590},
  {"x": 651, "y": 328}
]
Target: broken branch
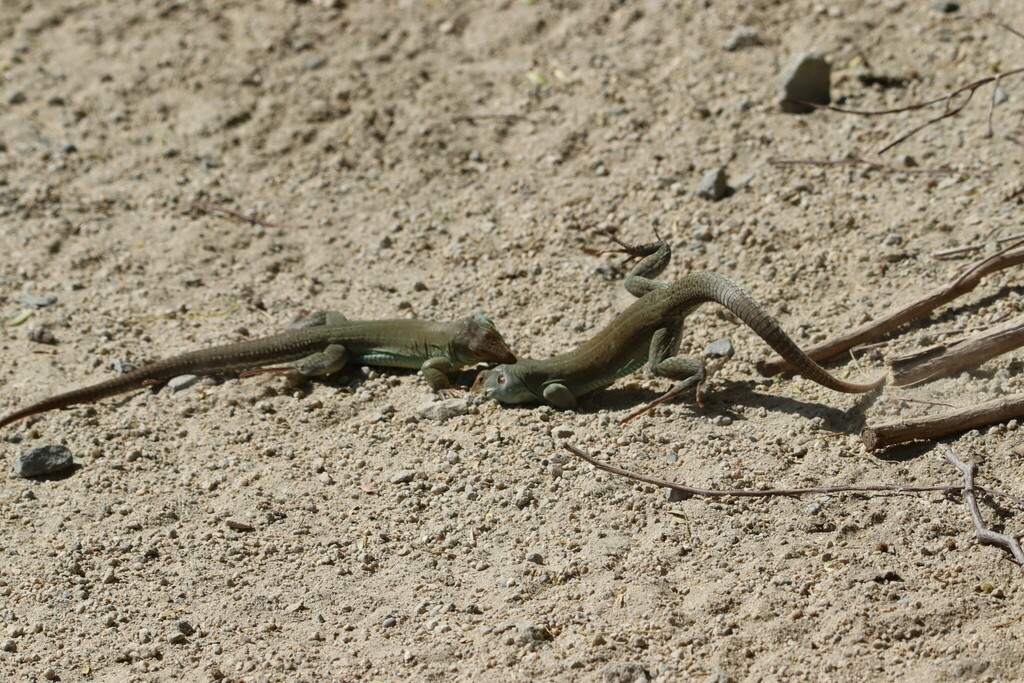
[
  {"x": 947, "y": 358},
  {"x": 981, "y": 532},
  {"x": 1012, "y": 255},
  {"x": 935, "y": 426}
]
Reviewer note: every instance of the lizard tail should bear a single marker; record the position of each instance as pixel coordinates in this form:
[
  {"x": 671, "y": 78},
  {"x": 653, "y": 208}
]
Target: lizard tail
[
  {"x": 720, "y": 289},
  {"x": 112, "y": 387}
]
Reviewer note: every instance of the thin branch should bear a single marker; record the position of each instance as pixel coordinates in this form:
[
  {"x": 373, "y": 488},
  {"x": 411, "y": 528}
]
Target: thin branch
[
  {"x": 955, "y": 251},
  {"x": 473, "y": 118},
  {"x": 860, "y": 161},
  {"x": 936, "y": 426},
  {"x": 969, "y": 278},
  {"x": 981, "y": 532},
  {"x": 948, "y": 99},
  {"x": 765, "y": 493},
  {"x": 237, "y": 215},
  {"x": 949, "y": 357}
]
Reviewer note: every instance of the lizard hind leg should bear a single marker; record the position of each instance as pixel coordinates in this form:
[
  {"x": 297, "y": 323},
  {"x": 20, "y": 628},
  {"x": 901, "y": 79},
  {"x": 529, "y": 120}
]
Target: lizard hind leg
[
  {"x": 654, "y": 258},
  {"x": 326, "y": 362},
  {"x": 316, "y": 319},
  {"x": 688, "y": 372},
  {"x": 559, "y": 396}
]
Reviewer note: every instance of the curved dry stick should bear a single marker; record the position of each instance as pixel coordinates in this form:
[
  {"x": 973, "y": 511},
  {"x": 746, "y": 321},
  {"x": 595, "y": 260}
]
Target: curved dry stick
[
  {"x": 764, "y": 493},
  {"x": 1012, "y": 255},
  {"x": 981, "y": 532},
  {"x": 970, "y": 89}
]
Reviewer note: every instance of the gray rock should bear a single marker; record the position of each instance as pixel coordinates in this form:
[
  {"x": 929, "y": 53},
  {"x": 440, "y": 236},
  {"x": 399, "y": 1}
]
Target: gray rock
[
  {"x": 562, "y": 432},
  {"x": 1000, "y": 96},
  {"x": 721, "y": 348},
  {"x": 524, "y": 498},
  {"x": 536, "y": 558},
  {"x": 529, "y": 632},
  {"x": 389, "y": 621},
  {"x": 443, "y": 410},
  {"x": 182, "y": 382},
  {"x": 713, "y": 185},
  {"x": 40, "y": 334},
  {"x": 626, "y": 672},
  {"x": 43, "y": 460},
  {"x": 741, "y": 37},
  {"x": 806, "y": 79},
  {"x": 35, "y": 300},
  {"x": 403, "y": 476},
  {"x": 945, "y": 6},
  {"x": 675, "y": 495}
]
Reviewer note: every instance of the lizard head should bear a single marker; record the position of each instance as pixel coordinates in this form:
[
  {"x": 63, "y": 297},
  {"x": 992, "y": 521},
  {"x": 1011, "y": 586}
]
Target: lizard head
[
  {"x": 502, "y": 383},
  {"x": 478, "y": 341}
]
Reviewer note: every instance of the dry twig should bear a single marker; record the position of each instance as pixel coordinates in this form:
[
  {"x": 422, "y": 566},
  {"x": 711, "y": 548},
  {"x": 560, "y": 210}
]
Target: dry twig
[
  {"x": 1012, "y": 255},
  {"x": 956, "y": 251},
  {"x": 947, "y": 358},
  {"x": 859, "y": 161},
  {"x": 765, "y": 493},
  {"x": 948, "y": 99},
  {"x": 981, "y": 532},
  {"x": 237, "y": 215},
  {"x": 935, "y": 426}
]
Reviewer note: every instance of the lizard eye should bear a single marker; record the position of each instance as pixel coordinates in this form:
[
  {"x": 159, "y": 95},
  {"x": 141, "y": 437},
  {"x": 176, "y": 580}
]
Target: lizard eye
[{"x": 501, "y": 378}]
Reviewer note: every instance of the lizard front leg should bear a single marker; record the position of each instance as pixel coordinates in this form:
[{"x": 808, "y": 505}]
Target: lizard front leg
[
  {"x": 558, "y": 395},
  {"x": 435, "y": 372}
]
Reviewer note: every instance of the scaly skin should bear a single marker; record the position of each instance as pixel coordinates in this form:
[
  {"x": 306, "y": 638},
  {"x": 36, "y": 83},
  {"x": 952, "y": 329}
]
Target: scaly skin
[
  {"x": 650, "y": 331},
  {"x": 319, "y": 344}
]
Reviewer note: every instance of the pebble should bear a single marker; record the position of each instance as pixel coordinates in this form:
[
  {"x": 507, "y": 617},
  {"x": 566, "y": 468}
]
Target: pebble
[
  {"x": 35, "y": 300},
  {"x": 524, "y": 498},
  {"x": 806, "y": 79},
  {"x": 530, "y": 632},
  {"x": 675, "y": 495},
  {"x": 40, "y": 334},
  {"x": 625, "y": 672},
  {"x": 389, "y": 621},
  {"x": 946, "y": 7},
  {"x": 182, "y": 382},
  {"x": 536, "y": 558},
  {"x": 238, "y": 524},
  {"x": 1000, "y": 96},
  {"x": 443, "y": 410},
  {"x": 9, "y": 646},
  {"x": 109, "y": 577},
  {"x": 713, "y": 185},
  {"x": 892, "y": 240},
  {"x": 741, "y": 37},
  {"x": 721, "y": 348},
  {"x": 562, "y": 432},
  {"x": 906, "y": 161},
  {"x": 43, "y": 460},
  {"x": 403, "y": 476}
]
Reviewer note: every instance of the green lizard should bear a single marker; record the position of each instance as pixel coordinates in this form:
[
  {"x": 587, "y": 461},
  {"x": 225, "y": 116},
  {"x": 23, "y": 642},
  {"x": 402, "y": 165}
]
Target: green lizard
[
  {"x": 319, "y": 344},
  {"x": 650, "y": 331}
]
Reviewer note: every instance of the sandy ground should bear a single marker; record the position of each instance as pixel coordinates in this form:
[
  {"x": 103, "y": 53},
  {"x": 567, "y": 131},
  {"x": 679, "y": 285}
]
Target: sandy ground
[{"x": 496, "y": 557}]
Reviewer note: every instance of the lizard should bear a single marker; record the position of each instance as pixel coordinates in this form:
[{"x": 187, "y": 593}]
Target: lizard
[
  {"x": 649, "y": 330},
  {"x": 318, "y": 344}
]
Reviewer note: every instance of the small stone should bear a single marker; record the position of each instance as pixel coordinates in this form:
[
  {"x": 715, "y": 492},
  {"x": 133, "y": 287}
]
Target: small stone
[
  {"x": 892, "y": 240},
  {"x": 49, "y": 674},
  {"x": 403, "y": 476},
  {"x": 1000, "y": 96},
  {"x": 238, "y": 524},
  {"x": 626, "y": 672},
  {"x": 182, "y": 382},
  {"x": 536, "y": 558},
  {"x": 741, "y": 37},
  {"x": 906, "y": 161},
  {"x": 530, "y": 632},
  {"x": 562, "y": 432},
  {"x": 9, "y": 646},
  {"x": 35, "y": 300},
  {"x": 720, "y": 348},
  {"x": 16, "y": 97},
  {"x": 315, "y": 63},
  {"x": 806, "y": 79},
  {"x": 675, "y": 495},
  {"x": 295, "y": 607},
  {"x": 524, "y": 498},
  {"x": 40, "y": 334},
  {"x": 946, "y": 7},
  {"x": 389, "y": 621},
  {"x": 43, "y": 460},
  {"x": 713, "y": 185},
  {"x": 185, "y": 628},
  {"x": 443, "y": 410},
  {"x": 109, "y": 577},
  {"x": 1019, "y": 449}
]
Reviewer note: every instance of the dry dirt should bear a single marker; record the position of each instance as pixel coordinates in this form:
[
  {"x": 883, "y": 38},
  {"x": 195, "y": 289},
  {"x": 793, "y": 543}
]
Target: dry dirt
[{"x": 500, "y": 560}]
